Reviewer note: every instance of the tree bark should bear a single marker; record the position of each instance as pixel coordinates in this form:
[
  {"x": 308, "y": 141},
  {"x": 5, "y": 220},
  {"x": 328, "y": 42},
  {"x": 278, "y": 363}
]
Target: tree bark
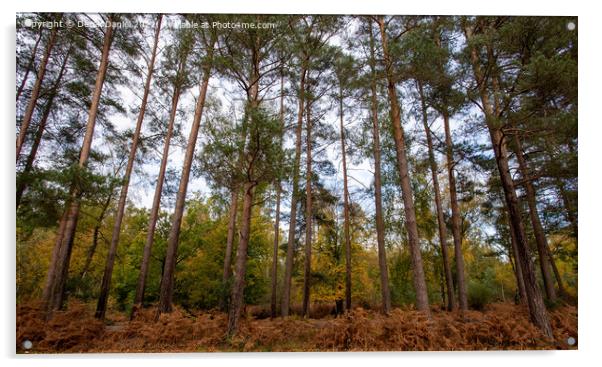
[
  {"x": 451, "y": 303},
  {"x": 308, "y": 216},
  {"x": 456, "y": 225},
  {"x": 568, "y": 207},
  {"x": 96, "y": 233},
  {"x": 278, "y": 185},
  {"x": 22, "y": 184},
  {"x": 54, "y": 299},
  {"x": 237, "y": 298},
  {"x": 227, "y": 273},
  {"x": 35, "y": 92},
  {"x": 167, "y": 282},
  {"x": 345, "y": 210},
  {"x": 540, "y": 236},
  {"x": 380, "y": 223},
  {"x": 537, "y": 309},
  {"x": 422, "y": 302},
  {"x": 105, "y": 286},
  {"x": 520, "y": 280},
  {"x": 154, "y": 214},
  {"x": 32, "y": 59},
  {"x": 290, "y": 248}
]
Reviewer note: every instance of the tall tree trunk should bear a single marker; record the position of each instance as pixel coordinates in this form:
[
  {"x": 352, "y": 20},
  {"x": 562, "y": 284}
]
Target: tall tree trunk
[
  {"x": 167, "y": 282},
  {"x": 422, "y": 302},
  {"x": 290, "y": 248},
  {"x": 227, "y": 273},
  {"x": 451, "y": 303},
  {"x": 540, "y": 236},
  {"x": 308, "y": 215},
  {"x": 237, "y": 298},
  {"x": 54, "y": 299},
  {"x": 154, "y": 214},
  {"x": 105, "y": 286},
  {"x": 22, "y": 184},
  {"x": 378, "y": 201},
  {"x": 274, "y": 272},
  {"x": 29, "y": 66},
  {"x": 278, "y": 186},
  {"x": 456, "y": 223},
  {"x": 561, "y": 289},
  {"x": 35, "y": 92},
  {"x": 345, "y": 209},
  {"x": 518, "y": 270},
  {"x": 96, "y": 233},
  {"x": 537, "y": 309},
  {"x": 568, "y": 206}
]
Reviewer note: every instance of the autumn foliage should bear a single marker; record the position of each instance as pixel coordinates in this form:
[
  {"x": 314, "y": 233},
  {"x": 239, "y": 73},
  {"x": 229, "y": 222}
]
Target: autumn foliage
[{"x": 500, "y": 326}]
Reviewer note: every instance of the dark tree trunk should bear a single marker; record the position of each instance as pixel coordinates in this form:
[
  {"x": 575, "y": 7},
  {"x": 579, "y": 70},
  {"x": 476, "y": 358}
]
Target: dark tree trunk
[
  {"x": 237, "y": 297},
  {"x": 456, "y": 224},
  {"x": 105, "y": 286},
  {"x": 96, "y": 233},
  {"x": 451, "y": 304},
  {"x": 154, "y": 214},
  {"x": 227, "y": 273},
  {"x": 520, "y": 280},
  {"x": 422, "y": 302},
  {"x": 290, "y": 248},
  {"x": 278, "y": 185},
  {"x": 35, "y": 92},
  {"x": 29, "y": 66},
  {"x": 54, "y": 298},
  {"x": 568, "y": 207},
  {"x": 274, "y": 272},
  {"x": 540, "y": 236},
  {"x": 167, "y": 282},
  {"x": 308, "y": 216},
  {"x": 537, "y": 309},
  {"x": 378, "y": 204},
  {"x": 22, "y": 184},
  {"x": 346, "y": 211}
]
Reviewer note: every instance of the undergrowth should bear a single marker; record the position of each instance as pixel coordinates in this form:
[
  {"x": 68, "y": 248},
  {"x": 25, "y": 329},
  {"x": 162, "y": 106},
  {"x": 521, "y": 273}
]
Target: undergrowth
[{"x": 497, "y": 327}]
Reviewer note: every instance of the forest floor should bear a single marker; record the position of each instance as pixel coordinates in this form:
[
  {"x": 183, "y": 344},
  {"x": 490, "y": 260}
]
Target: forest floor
[{"x": 499, "y": 326}]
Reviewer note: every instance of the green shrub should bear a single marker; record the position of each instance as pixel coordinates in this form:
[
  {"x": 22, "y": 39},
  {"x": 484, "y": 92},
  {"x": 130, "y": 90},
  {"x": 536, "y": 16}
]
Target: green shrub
[{"x": 479, "y": 294}]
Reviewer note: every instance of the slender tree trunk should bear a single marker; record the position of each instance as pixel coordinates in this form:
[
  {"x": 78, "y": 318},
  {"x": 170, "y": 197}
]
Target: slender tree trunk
[
  {"x": 95, "y": 234},
  {"x": 274, "y": 272},
  {"x": 308, "y": 216},
  {"x": 290, "y": 248},
  {"x": 237, "y": 298},
  {"x": 422, "y": 302},
  {"x": 22, "y": 184},
  {"x": 345, "y": 210},
  {"x": 451, "y": 304},
  {"x": 54, "y": 299},
  {"x": 540, "y": 236},
  {"x": 456, "y": 225},
  {"x": 537, "y": 309},
  {"x": 227, "y": 273},
  {"x": 52, "y": 267},
  {"x": 378, "y": 204},
  {"x": 29, "y": 66},
  {"x": 278, "y": 186},
  {"x": 167, "y": 282},
  {"x": 568, "y": 206},
  {"x": 520, "y": 280},
  {"x": 561, "y": 289},
  {"x": 154, "y": 214},
  {"x": 105, "y": 286},
  {"x": 35, "y": 92}
]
